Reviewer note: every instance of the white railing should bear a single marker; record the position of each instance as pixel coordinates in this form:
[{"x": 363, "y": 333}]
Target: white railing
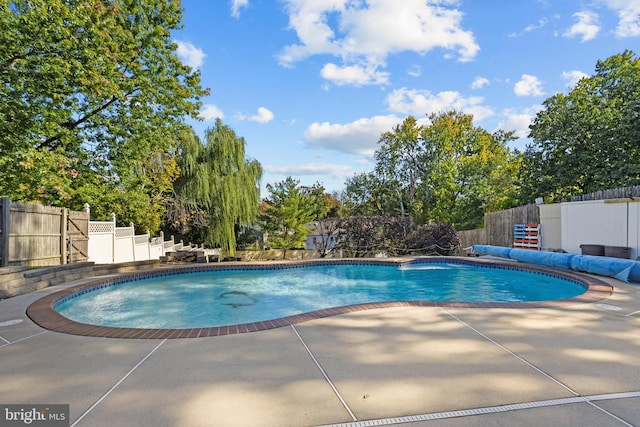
[{"x": 110, "y": 244}]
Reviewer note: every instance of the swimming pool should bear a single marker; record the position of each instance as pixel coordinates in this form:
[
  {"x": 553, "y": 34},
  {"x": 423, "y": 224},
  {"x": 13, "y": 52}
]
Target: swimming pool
[
  {"x": 43, "y": 312},
  {"x": 247, "y": 295}
]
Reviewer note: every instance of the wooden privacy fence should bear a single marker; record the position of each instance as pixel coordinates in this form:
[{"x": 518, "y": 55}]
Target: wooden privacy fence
[
  {"x": 35, "y": 235},
  {"x": 498, "y": 226},
  {"x": 78, "y": 236}
]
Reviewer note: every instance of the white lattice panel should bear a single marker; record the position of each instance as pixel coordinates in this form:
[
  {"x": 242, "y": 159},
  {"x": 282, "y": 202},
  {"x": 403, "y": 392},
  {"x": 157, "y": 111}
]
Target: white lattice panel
[{"x": 101, "y": 227}]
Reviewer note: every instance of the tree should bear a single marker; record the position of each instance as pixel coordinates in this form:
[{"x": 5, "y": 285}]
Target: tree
[
  {"x": 589, "y": 139},
  {"x": 404, "y": 158},
  {"x": 369, "y": 194},
  {"x": 92, "y": 92},
  {"x": 448, "y": 172},
  {"x": 327, "y": 228},
  {"x": 289, "y": 209},
  {"x": 218, "y": 189},
  {"x": 471, "y": 171}
]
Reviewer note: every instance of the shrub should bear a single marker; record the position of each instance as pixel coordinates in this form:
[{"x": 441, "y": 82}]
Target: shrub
[
  {"x": 364, "y": 236},
  {"x": 428, "y": 239}
]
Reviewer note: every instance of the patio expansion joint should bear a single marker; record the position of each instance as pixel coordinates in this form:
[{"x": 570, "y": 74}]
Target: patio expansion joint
[
  {"x": 8, "y": 343},
  {"x": 609, "y": 413},
  {"x": 520, "y": 358},
  {"x": 324, "y": 374},
  {"x": 633, "y": 314},
  {"x": 108, "y": 392}
]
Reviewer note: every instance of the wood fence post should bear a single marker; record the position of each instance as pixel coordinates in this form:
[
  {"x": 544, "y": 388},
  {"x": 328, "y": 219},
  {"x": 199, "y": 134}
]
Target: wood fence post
[{"x": 4, "y": 231}]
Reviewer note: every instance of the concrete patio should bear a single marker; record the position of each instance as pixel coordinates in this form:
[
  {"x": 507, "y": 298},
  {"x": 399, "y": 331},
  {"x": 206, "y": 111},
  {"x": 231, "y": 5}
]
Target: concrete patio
[{"x": 572, "y": 366}]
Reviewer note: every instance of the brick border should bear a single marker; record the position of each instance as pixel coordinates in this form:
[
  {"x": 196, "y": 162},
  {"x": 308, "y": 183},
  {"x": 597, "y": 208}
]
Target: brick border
[{"x": 42, "y": 311}]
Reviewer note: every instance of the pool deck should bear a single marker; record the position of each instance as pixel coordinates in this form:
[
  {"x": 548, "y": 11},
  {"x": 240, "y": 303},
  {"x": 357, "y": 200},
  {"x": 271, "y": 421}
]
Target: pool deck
[{"x": 567, "y": 365}]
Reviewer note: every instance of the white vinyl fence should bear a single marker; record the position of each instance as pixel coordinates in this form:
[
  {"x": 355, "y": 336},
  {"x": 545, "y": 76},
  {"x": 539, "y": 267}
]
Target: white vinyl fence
[
  {"x": 611, "y": 222},
  {"x": 110, "y": 244}
]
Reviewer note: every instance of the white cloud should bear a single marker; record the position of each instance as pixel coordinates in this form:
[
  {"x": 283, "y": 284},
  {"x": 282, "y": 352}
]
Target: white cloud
[
  {"x": 366, "y": 33},
  {"x": 415, "y": 71},
  {"x": 479, "y": 82},
  {"x": 329, "y": 169},
  {"x": 528, "y": 86},
  {"x": 518, "y": 123},
  {"x": 355, "y": 75},
  {"x": 541, "y": 23},
  {"x": 572, "y": 77},
  {"x": 236, "y": 5},
  {"x": 189, "y": 54},
  {"x": 422, "y": 102},
  {"x": 532, "y": 27},
  {"x": 210, "y": 112},
  {"x": 263, "y": 116},
  {"x": 629, "y": 14},
  {"x": 358, "y": 137},
  {"x": 587, "y": 26}
]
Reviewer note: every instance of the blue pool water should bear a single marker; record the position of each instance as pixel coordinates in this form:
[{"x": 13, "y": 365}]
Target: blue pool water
[{"x": 226, "y": 297}]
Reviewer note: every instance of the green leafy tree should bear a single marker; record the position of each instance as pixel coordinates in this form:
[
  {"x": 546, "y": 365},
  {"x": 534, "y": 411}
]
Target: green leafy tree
[
  {"x": 91, "y": 97},
  {"x": 403, "y": 158},
  {"x": 449, "y": 172},
  {"x": 218, "y": 189},
  {"x": 369, "y": 194},
  {"x": 289, "y": 209},
  {"x": 471, "y": 171},
  {"x": 589, "y": 139}
]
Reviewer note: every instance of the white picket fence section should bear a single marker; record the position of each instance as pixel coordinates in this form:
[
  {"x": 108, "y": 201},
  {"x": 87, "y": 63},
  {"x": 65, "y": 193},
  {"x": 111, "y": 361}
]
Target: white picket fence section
[{"x": 110, "y": 244}]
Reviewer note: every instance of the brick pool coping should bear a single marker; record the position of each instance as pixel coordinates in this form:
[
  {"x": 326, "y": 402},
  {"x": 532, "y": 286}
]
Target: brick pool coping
[{"x": 43, "y": 313}]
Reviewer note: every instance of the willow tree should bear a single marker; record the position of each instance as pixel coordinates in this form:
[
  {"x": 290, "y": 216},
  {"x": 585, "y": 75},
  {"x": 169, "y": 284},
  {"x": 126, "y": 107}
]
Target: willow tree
[{"x": 218, "y": 189}]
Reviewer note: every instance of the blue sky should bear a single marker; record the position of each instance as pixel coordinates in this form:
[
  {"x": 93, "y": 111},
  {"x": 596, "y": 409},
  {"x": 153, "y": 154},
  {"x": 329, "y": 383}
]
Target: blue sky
[{"x": 311, "y": 84}]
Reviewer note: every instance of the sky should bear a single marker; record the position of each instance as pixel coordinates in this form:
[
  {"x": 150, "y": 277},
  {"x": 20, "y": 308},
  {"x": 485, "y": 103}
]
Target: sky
[{"x": 312, "y": 84}]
